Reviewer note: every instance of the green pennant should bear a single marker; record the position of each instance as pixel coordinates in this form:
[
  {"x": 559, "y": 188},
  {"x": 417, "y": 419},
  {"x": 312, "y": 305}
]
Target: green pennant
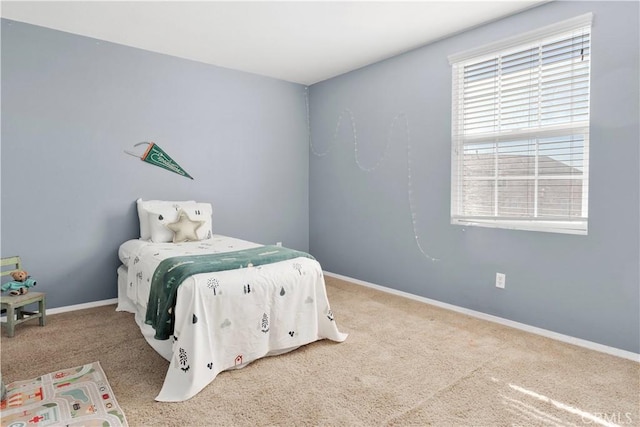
[{"x": 156, "y": 156}]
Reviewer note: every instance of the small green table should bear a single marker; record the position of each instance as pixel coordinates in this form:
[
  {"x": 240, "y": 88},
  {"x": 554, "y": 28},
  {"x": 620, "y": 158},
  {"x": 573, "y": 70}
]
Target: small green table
[{"x": 16, "y": 313}]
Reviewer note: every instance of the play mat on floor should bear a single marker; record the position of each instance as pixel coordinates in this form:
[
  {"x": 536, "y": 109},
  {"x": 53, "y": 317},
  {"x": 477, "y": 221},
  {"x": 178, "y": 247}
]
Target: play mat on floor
[{"x": 79, "y": 396}]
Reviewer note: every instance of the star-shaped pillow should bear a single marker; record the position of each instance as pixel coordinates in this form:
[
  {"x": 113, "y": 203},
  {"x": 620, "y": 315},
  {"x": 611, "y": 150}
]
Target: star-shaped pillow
[{"x": 184, "y": 228}]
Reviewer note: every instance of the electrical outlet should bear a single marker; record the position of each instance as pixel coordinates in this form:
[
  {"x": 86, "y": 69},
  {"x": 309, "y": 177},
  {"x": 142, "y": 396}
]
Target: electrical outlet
[
  {"x": 501, "y": 280},
  {"x": 278, "y": 243}
]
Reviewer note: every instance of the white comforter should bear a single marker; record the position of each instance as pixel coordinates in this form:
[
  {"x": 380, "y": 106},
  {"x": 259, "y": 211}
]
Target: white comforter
[{"x": 227, "y": 319}]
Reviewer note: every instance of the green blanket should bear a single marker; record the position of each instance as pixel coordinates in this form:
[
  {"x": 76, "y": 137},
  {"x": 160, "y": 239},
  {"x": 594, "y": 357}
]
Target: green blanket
[{"x": 171, "y": 272}]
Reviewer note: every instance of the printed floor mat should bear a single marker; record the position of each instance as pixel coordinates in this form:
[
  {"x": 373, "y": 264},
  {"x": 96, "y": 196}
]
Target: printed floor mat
[{"x": 79, "y": 396}]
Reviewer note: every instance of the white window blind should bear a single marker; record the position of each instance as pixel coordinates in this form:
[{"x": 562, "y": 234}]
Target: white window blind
[{"x": 520, "y": 134}]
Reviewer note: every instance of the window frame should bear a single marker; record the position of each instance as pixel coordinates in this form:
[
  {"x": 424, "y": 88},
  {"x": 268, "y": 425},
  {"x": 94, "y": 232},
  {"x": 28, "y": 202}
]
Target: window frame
[{"x": 533, "y": 222}]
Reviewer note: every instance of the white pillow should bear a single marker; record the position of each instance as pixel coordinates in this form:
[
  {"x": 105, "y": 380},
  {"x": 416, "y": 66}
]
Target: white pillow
[
  {"x": 159, "y": 218},
  {"x": 144, "y": 206}
]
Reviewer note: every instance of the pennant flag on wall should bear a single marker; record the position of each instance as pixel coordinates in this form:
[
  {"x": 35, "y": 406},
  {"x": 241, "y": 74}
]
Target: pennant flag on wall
[{"x": 156, "y": 156}]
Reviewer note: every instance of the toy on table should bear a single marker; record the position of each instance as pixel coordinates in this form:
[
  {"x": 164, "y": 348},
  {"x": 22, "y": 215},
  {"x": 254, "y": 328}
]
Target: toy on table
[{"x": 20, "y": 284}]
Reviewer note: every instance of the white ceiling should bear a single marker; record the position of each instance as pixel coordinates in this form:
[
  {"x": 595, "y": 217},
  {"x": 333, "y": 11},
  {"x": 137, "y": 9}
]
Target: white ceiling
[{"x": 298, "y": 41}]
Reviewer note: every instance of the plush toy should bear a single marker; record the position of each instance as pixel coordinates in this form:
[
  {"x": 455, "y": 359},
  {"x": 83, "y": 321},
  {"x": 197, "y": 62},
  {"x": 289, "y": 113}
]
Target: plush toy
[
  {"x": 20, "y": 275},
  {"x": 20, "y": 284}
]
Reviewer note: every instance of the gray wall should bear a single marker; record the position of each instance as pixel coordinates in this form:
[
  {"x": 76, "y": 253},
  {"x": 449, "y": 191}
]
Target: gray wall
[
  {"x": 71, "y": 105},
  {"x": 361, "y": 222}
]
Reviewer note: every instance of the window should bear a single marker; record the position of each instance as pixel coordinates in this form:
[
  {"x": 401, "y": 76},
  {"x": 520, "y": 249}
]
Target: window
[{"x": 520, "y": 131}]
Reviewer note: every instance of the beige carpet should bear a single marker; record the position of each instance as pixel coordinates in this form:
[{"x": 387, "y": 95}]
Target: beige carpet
[{"x": 404, "y": 363}]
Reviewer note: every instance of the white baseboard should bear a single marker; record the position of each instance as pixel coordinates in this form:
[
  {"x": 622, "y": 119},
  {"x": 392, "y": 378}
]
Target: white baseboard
[
  {"x": 75, "y": 307},
  {"x": 484, "y": 316}
]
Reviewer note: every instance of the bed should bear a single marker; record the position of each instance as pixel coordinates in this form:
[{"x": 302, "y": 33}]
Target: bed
[{"x": 259, "y": 300}]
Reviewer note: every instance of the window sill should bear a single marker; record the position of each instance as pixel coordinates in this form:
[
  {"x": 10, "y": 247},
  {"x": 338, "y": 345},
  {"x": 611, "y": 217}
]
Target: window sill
[{"x": 563, "y": 227}]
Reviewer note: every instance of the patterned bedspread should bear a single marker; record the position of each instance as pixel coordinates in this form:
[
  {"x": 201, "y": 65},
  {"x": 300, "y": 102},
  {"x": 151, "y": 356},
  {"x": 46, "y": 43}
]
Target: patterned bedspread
[
  {"x": 227, "y": 319},
  {"x": 171, "y": 272}
]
